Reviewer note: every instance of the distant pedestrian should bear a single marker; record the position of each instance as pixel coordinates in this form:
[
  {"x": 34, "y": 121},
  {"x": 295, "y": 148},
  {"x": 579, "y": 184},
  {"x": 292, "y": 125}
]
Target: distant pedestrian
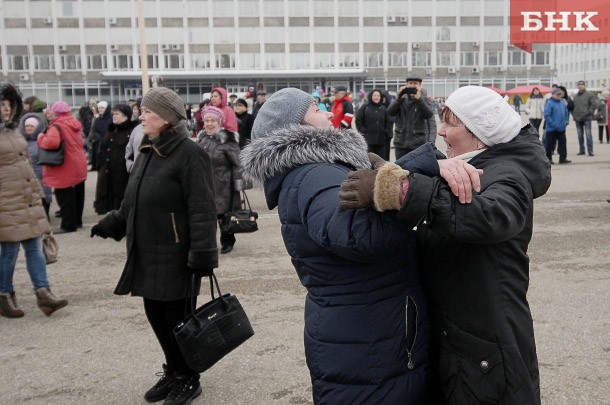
[
  {"x": 22, "y": 218},
  {"x": 585, "y": 103},
  {"x": 373, "y": 122},
  {"x": 517, "y": 100},
  {"x": 112, "y": 173},
  {"x": 318, "y": 98},
  {"x": 218, "y": 99},
  {"x": 68, "y": 178},
  {"x": 342, "y": 109},
  {"x": 245, "y": 120},
  {"x": 534, "y": 108},
  {"x": 32, "y": 125},
  {"x": 99, "y": 127},
  {"x": 556, "y": 117},
  {"x": 602, "y": 113}
]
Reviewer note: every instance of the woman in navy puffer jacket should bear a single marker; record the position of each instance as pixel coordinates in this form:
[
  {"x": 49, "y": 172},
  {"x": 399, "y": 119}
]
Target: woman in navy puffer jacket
[{"x": 366, "y": 328}]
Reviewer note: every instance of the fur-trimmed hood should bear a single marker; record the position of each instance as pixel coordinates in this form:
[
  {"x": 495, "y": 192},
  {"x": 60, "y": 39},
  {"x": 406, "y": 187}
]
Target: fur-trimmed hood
[
  {"x": 42, "y": 126},
  {"x": 297, "y": 145},
  {"x": 11, "y": 93}
]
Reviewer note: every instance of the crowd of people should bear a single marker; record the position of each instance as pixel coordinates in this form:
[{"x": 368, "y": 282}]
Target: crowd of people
[{"x": 387, "y": 319}]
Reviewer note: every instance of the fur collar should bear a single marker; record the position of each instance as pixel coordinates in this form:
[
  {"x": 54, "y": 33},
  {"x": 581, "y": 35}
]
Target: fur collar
[
  {"x": 222, "y": 136},
  {"x": 296, "y": 145}
]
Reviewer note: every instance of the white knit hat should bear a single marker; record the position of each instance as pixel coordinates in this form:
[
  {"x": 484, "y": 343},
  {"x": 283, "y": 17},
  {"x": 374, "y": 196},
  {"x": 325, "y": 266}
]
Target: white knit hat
[{"x": 485, "y": 113}]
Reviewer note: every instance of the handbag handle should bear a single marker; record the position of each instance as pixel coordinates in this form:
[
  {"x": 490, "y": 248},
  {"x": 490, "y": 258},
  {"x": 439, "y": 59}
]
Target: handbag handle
[{"x": 193, "y": 298}]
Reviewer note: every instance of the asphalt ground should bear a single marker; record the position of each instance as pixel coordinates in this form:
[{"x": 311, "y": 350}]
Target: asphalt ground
[{"x": 101, "y": 350}]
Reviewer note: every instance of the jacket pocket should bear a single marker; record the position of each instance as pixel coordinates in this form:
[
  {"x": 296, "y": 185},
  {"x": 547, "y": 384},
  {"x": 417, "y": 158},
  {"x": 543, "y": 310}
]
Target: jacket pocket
[
  {"x": 175, "y": 227},
  {"x": 471, "y": 368}
]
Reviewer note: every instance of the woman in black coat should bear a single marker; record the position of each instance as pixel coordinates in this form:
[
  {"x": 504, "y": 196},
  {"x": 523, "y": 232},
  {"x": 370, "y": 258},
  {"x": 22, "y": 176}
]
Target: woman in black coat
[
  {"x": 169, "y": 218},
  {"x": 373, "y": 122},
  {"x": 99, "y": 127},
  {"x": 112, "y": 173}
]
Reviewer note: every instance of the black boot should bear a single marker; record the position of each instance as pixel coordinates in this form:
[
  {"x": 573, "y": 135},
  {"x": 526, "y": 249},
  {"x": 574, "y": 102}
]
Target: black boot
[
  {"x": 185, "y": 389},
  {"x": 162, "y": 388}
]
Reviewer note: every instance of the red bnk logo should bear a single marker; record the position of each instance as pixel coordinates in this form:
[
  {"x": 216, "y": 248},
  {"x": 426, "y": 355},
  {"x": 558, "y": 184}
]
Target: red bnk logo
[{"x": 559, "y": 21}]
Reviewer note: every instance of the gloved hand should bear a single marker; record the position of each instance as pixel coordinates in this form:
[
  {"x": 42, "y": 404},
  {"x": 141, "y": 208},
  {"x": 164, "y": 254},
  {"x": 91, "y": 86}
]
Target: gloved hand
[
  {"x": 97, "y": 230},
  {"x": 358, "y": 190},
  {"x": 376, "y": 161},
  {"x": 202, "y": 272}
]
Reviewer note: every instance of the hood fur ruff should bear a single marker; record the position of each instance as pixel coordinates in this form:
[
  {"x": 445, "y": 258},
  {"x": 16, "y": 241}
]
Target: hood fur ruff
[{"x": 297, "y": 145}]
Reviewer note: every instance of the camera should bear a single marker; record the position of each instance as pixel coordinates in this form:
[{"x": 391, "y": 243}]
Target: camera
[{"x": 408, "y": 91}]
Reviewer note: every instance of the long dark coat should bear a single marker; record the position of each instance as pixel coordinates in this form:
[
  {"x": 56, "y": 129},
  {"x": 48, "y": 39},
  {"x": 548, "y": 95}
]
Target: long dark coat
[
  {"x": 223, "y": 148},
  {"x": 112, "y": 173},
  {"x": 169, "y": 218},
  {"x": 411, "y": 128},
  {"x": 366, "y": 330},
  {"x": 475, "y": 271},
  {"x": 373, "y": 122}
]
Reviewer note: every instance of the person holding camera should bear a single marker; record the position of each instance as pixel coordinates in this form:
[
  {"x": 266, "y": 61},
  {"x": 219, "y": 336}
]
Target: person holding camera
[{"x": 412, "y": 112}]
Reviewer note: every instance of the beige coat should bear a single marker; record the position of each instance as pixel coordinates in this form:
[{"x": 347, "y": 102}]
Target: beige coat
[{"x": 21, "y": 214}]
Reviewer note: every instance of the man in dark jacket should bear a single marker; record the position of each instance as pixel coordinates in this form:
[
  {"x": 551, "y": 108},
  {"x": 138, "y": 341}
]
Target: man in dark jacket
[
  {"x": 412, "y": 112},
  {"x": 585, "y": 104}
]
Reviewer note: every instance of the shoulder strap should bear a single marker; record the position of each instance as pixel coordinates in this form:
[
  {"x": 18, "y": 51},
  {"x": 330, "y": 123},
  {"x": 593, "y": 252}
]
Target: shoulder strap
[{"x": 58, "y": 130}]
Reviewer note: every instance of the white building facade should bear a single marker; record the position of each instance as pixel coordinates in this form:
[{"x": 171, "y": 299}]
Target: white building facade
[{"x": 76, "y": 49}]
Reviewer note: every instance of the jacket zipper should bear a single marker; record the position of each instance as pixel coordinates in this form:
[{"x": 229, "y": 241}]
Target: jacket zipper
[
  {"x": 410, "y": 365},
  {"x": 175, "y": 227}
]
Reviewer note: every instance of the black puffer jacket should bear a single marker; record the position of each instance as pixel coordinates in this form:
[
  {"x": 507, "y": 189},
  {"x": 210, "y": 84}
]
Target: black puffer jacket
[
  {"x": 475, "y": 272},
  {"x": 366, "y": 332},
  {"x": 169, "y": 218}
]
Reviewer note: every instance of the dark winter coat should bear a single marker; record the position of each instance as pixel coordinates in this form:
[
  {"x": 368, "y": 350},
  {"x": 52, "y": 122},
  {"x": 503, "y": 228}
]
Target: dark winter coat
[
  {"x": 112, "y": 173},
  {"x": 475, "y": 271},
  {"x": 411, "y": 128},
  {"x": 365, "y": 316},
  {"x": 585, "y": 104},
  {"x": 85, "y": 115},
  {"x": 373, "y": 122},
  {"x": 223, "y": 149},
  {"x": 33, "y": 150},
  {"x": 169, "y": 218},
  {"x": 99, "y": 126},
  {"x": 244, "y": 123}
]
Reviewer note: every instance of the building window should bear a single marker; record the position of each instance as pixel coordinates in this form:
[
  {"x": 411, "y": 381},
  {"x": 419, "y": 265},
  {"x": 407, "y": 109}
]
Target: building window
[
  {"x": 273, "y": 8},
  {"x": 469, "y": 58},
  {"x": 122, "y": 62},
  {"x": 275, "y": 61},
  {"x": 200, "y": 60},
  {"x": 540, "y": 58},
  {"x": 70, "y": 62},
  {"x": 516, "y": 57},
  {"x": 397, "y": 59},
  {"x": 445, "y": 58},
  {"x": 299, "y": 60},
  {"x": 96, "y": 62},
  {"x": 374, "y": 59},
  {"x": 174, "y": 61},
  {"x": 443, "y": 34},
  {"x": 225, "y": 60},
  {"x": 348, "y": 60},
  {"x": 250, "y": 60},
  {"x": 298, "y": 8},
  {"x": 44, "y": 62},
  {"x": 153, "y": 61},
  {"x": 421, "y": 58},
  {"x": 324, "y": 60},
  {"x": 18, "y": 62},
  {"x": 494, "y": 58}
]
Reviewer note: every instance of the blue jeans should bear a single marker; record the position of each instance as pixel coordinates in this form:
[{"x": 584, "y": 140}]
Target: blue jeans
[
  {"x": 581, "y": 142},
  {"x": 34, "y": 259}
]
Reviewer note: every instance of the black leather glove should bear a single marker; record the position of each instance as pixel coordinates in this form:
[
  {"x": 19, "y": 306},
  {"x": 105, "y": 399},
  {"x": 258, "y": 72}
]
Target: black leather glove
[
  {"x": 358, "y": 190},
  {"x": 202, "y": 272},
  {"x": 97, "y": 230}
]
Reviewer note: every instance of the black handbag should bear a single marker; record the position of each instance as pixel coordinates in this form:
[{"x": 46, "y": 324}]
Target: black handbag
[
  {"x": 212, "y": 331},
  {"x": 52, "y": 157},
  {"x": 241, "y": 220}
]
